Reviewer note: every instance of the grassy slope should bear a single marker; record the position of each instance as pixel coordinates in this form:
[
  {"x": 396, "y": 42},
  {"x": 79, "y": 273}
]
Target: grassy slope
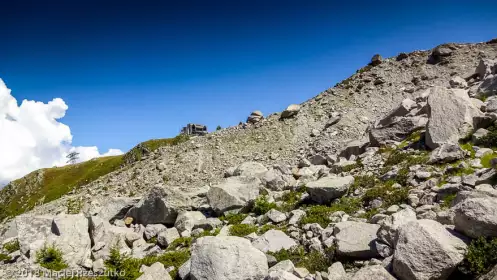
[
  {"x": 22, "y": 195},
  {"x": 143, "y": 148}
]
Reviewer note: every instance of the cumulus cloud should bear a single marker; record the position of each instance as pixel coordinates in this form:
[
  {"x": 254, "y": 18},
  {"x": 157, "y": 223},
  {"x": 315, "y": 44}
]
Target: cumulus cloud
[{"x": 31, "y": 137}]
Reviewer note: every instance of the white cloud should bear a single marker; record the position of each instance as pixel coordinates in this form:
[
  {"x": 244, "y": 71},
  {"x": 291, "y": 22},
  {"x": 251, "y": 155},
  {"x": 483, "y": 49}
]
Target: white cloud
[{"x": 31, "y": 137}]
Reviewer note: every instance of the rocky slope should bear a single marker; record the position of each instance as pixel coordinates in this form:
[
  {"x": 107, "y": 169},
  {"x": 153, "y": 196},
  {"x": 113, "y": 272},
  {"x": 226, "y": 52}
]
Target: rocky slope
[{"x": 387, "y": 175}]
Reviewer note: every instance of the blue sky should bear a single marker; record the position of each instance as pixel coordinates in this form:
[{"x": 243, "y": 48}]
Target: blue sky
[{"x": 136, "y": 70}]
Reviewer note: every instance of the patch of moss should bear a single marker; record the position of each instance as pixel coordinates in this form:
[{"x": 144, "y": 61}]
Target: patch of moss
[
  {"x": 388, "y": 194},
  {"x": 291, "y": 199},
  {"x": 4, "y": 257},
  {"x": 396, "y": 157},
  {"x": 486, "y": 159},
  {"x": 11, "y": 246},
  {"x": 413, "y": 138},
  {"x": 447, "y": 201},
  {"x": 351, "y": 167},
  {"x": 50, "y": 257},
  {"x": 182, "y": 242},
  {"x": 363, "y": 182},
  {"x": 128, "y": 268},
  {"x": 267, "y": 227},
  {"x": 152, "y": 240},
  {"x": 320, "y": 213},
  {"x": 242, "y": 230},
  {"x": 313, "y": 261},
  {"x": 175, "y": 259},
  {"x": 262, "y": 205},
  {"x": 469, "y": 148},
  {"x": 233, "y": 219}
]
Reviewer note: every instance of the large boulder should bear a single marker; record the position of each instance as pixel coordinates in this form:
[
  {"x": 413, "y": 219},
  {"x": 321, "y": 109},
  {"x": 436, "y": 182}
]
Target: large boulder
[
  {"x": 281, "y": 275},
  {"x": 273, "y": 241},
  {"x": 290, "y": 111},
  {"x": 356, "y": 239},
  {"x": 426, "y": 250},
  {"x": 477, "y": 216},
  {"x": 399, "y": 123},
  {"x": 328, "y": 188},
  {"x": 354, "y": 148},
  {"x": 33, "y": 232},
  {"x": 376, "y": 60},
  {"x": 160, "y": 206},
  {"x": 404, "y": 108},
  {"x": 114, "y": 208},
  {"x": 154, "y": 272},
  {"x": 274, "y": 180},
  {"x": 389, "y": 226},
  {"x": 451, "y": 115},
  {"x": 488, "y": 86},
  {"x": 486, "y": 67},
  {"x": 490, "y": 104},
  {"x": 250, "y": 169},
  {"x": 152, "y": 230},
  {"x": 105, "y": 237},
  {"x": 255, "y": 117},
  {"x": 447, "y": 152},
  {"x": 186, "y": 220},
  {"x": 72, "y": 238},
  {"x": 226, "y": 258},
  {"x": 233, "y": 193},
  {"x": 167, "y": 236},
  {"x": 376, "y": 272},
  {"x": 8, "y": 230},
  {"x": 397, "y": 130}
]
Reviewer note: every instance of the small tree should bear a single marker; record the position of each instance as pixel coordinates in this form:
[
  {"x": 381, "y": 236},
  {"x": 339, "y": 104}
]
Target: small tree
[
  {"x": 72, "y": 157},
  {"x": 219, "y": 127}
]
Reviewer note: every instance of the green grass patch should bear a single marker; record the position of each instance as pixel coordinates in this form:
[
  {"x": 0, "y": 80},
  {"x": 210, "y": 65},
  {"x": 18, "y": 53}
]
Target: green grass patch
[
  {"x": 413, "y": 138},
  {"x": 262, "y": 205},
  {"x": 23, "y": 194},
  {"x": 152, "y": 240},
  {"x": 313, "y": 261},
  {"x": 291, "y": 199},
  {"x": 388, "y": 194},
  {"x": 397, "y": 157},
  {"x": 11, "y": 246},
  {"x": 363, "y": 182},
  {"x": 50, "y": 257},
  {"x": 4, "y": 257},
  {"x": 131, "y": 267},
  {"x": 481, "y": 255},
  {"x": 485, "y": 160},
  {"x": 447, "y": 201},
  {"x": 182, "y": 242},
  {"x": 149, "y": 146},
  {"x": 468, "y": 146},
  {"x": 233, "y": 219},
  {"x": 267, "y": 227},
  {"x": 242, "y": 230},
  {"x": 320, "y": 213}
]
